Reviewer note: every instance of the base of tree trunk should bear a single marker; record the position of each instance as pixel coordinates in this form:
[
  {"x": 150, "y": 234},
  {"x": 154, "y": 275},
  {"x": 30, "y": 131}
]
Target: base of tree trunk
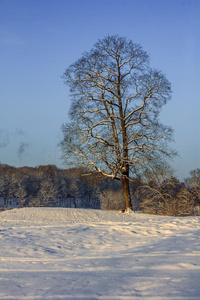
[{"x": 128, "y": 210}]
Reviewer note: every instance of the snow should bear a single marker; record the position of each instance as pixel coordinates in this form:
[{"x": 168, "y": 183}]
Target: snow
[{"x": 79, "y": 254}]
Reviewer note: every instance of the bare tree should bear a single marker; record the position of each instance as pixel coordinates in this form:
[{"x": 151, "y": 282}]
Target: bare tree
[
  {"x": 111, "y": 199},
  {"x": 162, "y": 193},
  {"x": 193, "y": 183},
  {"x": 116, "y": 100},
  {"x": 156, "y": 188}
]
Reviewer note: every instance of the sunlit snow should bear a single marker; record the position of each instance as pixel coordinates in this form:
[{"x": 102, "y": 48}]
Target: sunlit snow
[{"x": 61, "y": 253}]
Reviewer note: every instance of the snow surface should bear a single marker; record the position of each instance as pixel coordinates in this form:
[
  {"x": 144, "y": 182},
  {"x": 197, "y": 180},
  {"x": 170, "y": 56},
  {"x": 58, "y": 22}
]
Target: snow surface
[{"x": 62, "y": 253}]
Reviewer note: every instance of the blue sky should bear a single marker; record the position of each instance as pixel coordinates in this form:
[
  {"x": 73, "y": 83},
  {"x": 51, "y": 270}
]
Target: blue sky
[{"x": 39, "y": 39}]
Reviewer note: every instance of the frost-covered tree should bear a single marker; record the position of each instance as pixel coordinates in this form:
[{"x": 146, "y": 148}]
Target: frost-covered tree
[
  {"x": 193, "y": 183},
  {"x": 116, "y": 100},
  {"x": 162, "y": 193},
  {"x": 111, "y": 199}
]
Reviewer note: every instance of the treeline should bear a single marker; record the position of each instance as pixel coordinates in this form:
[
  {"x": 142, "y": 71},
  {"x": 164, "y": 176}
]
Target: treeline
[
  {"x": 51, "y": 186},
  {"x": 157, "y": 192},
  {"x": 48, "y": 186}
]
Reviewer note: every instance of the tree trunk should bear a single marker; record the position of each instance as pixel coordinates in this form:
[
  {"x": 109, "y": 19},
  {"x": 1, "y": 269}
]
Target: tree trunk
[{"x": 126, "y": 193}]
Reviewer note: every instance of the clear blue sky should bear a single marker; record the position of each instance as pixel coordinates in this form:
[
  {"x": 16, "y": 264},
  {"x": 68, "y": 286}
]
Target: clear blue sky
[{"x": 39, "y": 39}]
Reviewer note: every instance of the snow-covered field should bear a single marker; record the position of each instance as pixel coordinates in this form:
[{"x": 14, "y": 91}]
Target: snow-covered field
[{"x": 61, "y": 253}]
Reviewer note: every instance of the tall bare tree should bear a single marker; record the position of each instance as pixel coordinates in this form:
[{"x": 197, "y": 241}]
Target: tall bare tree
[{"x": 116, "y": 100}]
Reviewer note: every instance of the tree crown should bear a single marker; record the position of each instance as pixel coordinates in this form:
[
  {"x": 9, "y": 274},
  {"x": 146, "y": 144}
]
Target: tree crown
[{"x": 116, "y": 100}]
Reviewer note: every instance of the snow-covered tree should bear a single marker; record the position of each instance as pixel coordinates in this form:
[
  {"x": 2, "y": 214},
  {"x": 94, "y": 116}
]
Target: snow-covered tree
[{"x": 116, "y": 100}]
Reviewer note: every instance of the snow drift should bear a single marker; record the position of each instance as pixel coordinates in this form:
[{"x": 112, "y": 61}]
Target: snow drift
[{"x": 61, "y": 253}]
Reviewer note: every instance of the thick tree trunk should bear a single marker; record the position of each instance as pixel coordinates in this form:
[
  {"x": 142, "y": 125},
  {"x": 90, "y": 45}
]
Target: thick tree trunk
[{"x": 126, "y": 193}]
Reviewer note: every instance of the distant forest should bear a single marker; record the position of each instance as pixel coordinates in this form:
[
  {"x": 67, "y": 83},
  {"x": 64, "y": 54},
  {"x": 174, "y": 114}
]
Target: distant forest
[{"x": 51, "y": 186}]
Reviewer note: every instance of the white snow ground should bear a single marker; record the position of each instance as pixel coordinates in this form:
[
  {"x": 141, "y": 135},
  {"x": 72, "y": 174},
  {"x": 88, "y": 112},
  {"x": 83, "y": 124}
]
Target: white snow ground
[{"x": 61, "y": 253}]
